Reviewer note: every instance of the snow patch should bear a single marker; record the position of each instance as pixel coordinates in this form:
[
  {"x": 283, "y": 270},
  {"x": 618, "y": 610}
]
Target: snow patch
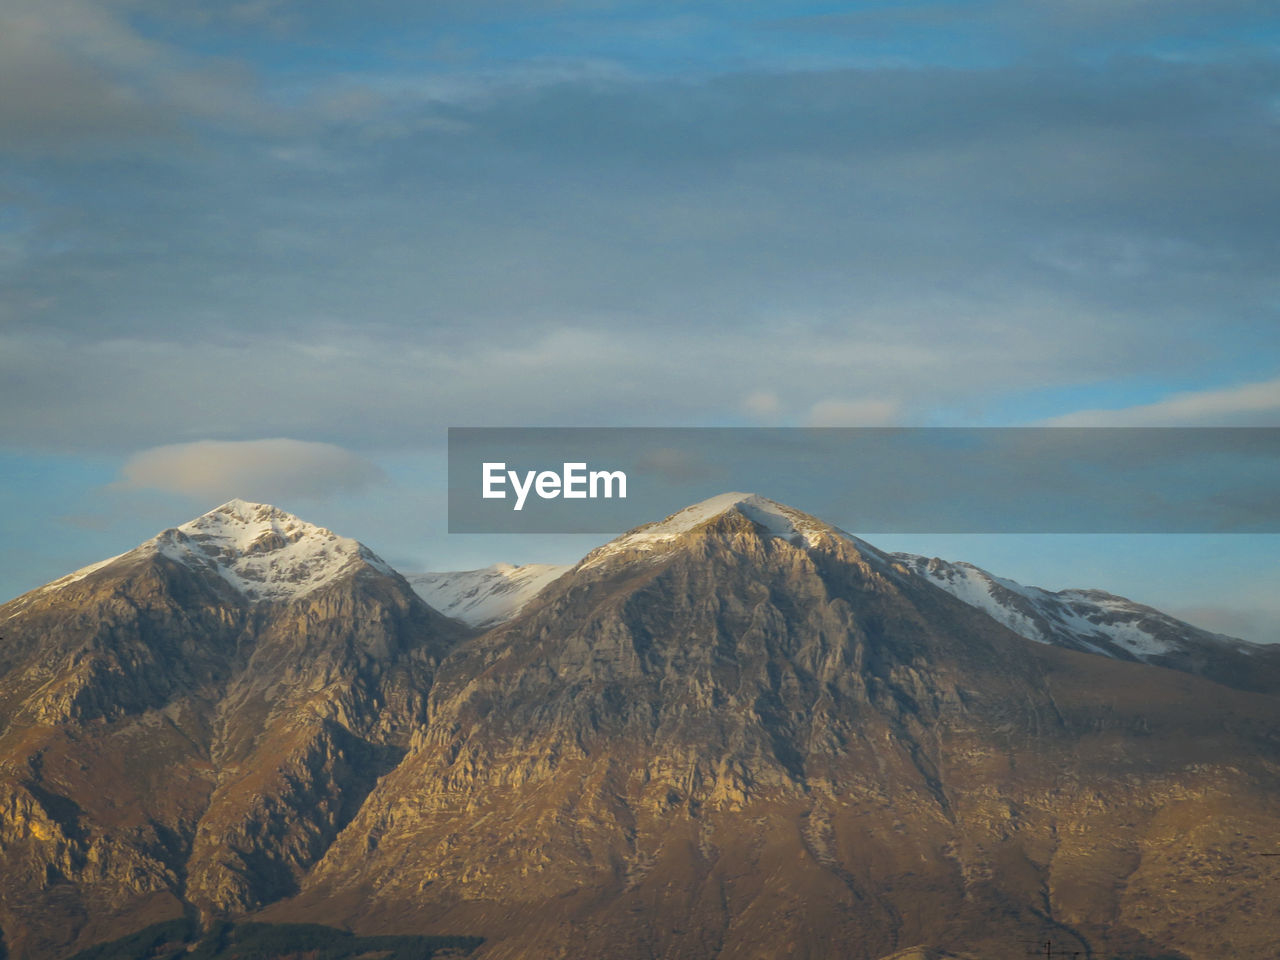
[
  {"x": 776, "y": 518},
  {"x": 1091, "y": 620},
  {"x": 78, "y": 574},
  {"x": 484, "y": 598},
  {"x": 261, "y": 551},
  {"x": 265, "y": 553}
]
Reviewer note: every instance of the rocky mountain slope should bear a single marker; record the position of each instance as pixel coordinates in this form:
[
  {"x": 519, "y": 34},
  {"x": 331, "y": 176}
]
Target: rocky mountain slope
[
  {"x": 1089, "y": 620},
  {"x": 738, "y": 732},
  {"x": 741, "y": 733},
  {"x": 188, "y": 725}
]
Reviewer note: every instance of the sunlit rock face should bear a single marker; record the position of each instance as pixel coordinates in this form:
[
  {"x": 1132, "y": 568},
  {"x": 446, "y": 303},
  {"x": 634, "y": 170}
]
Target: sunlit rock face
[
  {"x": 737, "y": 732},
  {"x": 745, "y": 733},
  {"x": 189, "y": 725}
]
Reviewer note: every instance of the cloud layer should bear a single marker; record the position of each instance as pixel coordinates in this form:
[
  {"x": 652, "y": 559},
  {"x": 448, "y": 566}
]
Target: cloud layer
[
  {"x": 358, "y": 224},
  {"x": 914, "y": 224},
  {"x": 1250, "y": 404},
  {"x": 267, "y": 470}
]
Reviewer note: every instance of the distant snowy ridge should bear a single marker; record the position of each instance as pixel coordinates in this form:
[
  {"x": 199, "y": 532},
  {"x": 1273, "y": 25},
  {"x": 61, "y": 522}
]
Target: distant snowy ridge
[
  {"x": 1090, "y": 620},
  {"x": 266, "y": 554},
  {"x": 263, "y": 552},
  {"x": 484, "y": 598}
]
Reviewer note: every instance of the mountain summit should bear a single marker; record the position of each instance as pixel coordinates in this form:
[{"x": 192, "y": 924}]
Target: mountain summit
[
  {"x": 1091, "y": 621},
  {"x": 741, "y": 732},
  {"x": 187, "y": 726},
  {"x": 263, "y": 553},
  {"x": 777, "y": 519},
  {"x": 768, "y": 517},
  {"x": 735, "y": 732}
]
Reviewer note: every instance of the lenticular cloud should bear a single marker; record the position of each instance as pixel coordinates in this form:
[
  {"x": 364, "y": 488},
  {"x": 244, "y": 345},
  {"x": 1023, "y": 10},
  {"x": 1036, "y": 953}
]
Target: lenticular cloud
[{"x": 217, "y": 469}]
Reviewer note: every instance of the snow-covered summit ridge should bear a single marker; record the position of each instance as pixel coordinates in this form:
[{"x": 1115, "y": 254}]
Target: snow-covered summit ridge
[
  {"x": 777, "y": 519},
  {"x": 263, "y": 552}
]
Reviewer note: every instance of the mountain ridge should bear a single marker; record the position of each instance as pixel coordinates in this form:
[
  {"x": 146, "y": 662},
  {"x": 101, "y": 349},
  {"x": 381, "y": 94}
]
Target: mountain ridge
[
  {"x": 488, "y": 596},
  {"x": 670, "y": 694},
  {"x": 1089, "y": 620},
  {"x": 186, "y": 726},
  {"x": 739, "y": 732}
]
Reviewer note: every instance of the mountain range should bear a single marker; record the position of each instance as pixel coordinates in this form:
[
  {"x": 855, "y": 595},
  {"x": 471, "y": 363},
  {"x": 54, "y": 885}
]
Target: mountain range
[{"x": 735, "y": 732}]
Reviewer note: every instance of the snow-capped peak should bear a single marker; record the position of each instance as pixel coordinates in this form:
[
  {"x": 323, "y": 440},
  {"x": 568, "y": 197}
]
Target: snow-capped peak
[
  {"x": 776, "y": 518},
  {"x": 242, "y": 527},
  {"x": 260, "y": 550}
]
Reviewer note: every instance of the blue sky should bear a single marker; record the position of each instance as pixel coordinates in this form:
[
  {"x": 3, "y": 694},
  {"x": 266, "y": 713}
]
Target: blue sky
[{"x": 343, "y": 228}]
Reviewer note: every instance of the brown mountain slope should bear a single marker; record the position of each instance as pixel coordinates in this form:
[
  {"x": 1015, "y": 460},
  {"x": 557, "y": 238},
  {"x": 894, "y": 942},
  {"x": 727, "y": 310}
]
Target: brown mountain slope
[
  {"x": 751, "y": 738},
  {"x": 168, "y": 741},
  {"x": 734, "y": 734}
]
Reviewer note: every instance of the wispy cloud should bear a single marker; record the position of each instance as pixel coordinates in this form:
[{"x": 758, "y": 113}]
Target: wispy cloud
[
  {"x": 1249, "y": 404},
  {"x": 867, "y": 412},
  {"x": 398, "y": 390},
  {"x": 78, "y": 75}
]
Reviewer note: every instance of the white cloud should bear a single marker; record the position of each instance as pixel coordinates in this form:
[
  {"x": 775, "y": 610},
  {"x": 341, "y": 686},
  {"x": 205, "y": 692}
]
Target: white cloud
[
  {"x": 269, "y": 470},
  {"x": 1249, "y": 404},
  {"x": 399, "y": 392},
  {"x": 762, "y": 404},
  {"x": 74, "y": 72},
  {"x": 853, "y": 413}
]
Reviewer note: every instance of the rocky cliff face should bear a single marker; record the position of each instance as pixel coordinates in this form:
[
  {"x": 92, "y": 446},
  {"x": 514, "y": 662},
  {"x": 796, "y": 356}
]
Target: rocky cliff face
[
  {"x": 173, "y": 739},
  {"x": 735, "y": 733},
  {"x": 750, "y": 736}
]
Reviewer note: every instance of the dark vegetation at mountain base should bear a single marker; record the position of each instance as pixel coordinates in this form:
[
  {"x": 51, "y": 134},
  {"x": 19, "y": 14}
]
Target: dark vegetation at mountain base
[{"x": 271, "y": 941}]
